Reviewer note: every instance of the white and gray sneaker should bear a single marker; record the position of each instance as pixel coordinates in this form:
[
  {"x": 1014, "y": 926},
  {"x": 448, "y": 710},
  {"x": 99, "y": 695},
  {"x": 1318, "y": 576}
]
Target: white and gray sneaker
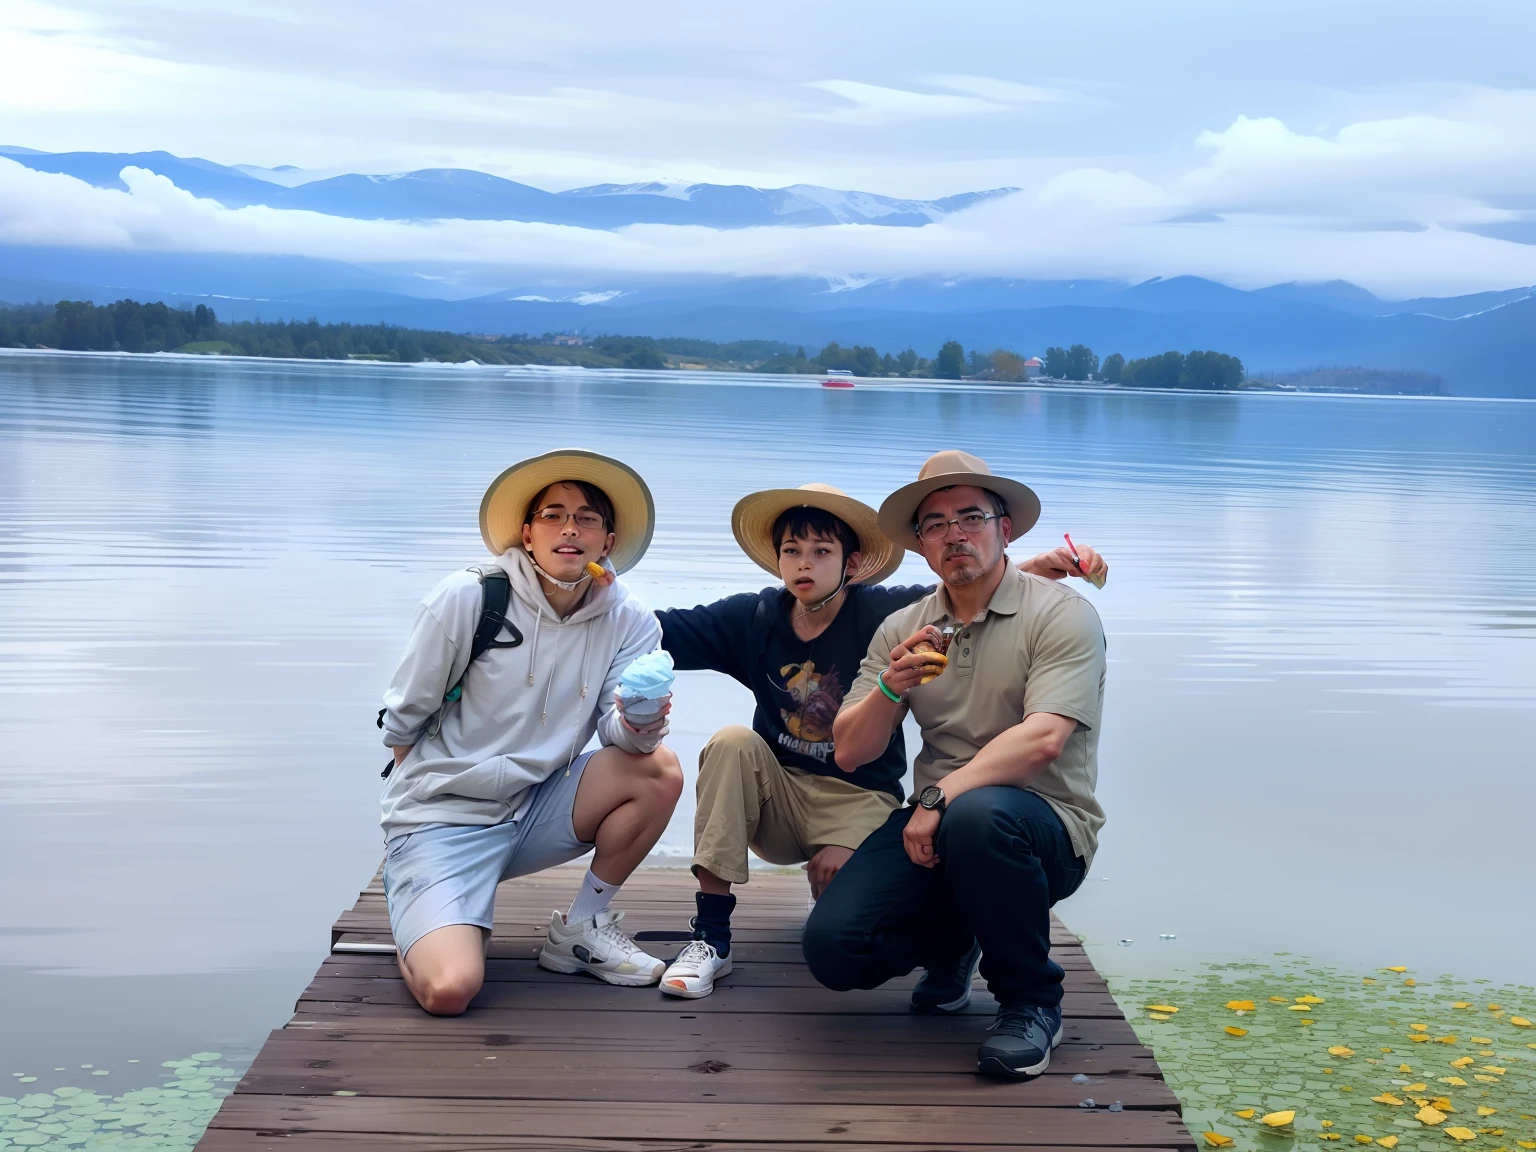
[
  {"x": 694, "y": 972},
  {"x": 599, "y": 946}
]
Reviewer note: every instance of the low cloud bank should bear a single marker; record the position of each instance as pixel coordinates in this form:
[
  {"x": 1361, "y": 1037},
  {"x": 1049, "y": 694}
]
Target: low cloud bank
[{"x": 1388, "y": 204}]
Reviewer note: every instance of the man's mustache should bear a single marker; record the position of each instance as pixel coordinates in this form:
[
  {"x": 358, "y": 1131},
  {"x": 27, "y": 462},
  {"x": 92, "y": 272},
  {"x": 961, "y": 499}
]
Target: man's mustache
[{"x": 961, "y": 549}]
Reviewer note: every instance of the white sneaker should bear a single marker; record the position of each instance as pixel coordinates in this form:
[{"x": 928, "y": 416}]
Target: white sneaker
[
  {"x": 599, "y": 946},
  {"x": 694, "y": 972}
]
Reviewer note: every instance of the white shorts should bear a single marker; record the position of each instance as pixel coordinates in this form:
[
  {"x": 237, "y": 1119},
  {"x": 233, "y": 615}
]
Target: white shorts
[{"x": 442, "y": 874}]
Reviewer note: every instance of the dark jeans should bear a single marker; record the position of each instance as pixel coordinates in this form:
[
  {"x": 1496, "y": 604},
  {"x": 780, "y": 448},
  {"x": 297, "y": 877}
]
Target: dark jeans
[{"x": 1004, "y": 859}]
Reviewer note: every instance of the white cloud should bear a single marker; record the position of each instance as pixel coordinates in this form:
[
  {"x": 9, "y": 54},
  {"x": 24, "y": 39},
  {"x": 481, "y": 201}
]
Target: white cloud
[
  {"x": 1082, "y": 224},
  {"x": 873, "y": 104},
  {"x": 1002, "y": 91}
]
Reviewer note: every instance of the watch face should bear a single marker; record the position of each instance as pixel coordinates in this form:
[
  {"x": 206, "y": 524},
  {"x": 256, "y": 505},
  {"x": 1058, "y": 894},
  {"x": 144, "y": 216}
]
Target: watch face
[{"x": 931, "y": 796}]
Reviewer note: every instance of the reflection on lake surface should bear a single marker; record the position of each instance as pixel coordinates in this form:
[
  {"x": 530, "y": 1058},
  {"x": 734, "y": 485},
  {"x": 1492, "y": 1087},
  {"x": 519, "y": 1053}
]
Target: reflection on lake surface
[{"x": 1320, "y": 617}]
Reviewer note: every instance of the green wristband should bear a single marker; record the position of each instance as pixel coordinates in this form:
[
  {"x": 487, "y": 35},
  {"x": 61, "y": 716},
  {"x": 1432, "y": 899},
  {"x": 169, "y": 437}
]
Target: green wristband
[{"x": 895, "y": 699}]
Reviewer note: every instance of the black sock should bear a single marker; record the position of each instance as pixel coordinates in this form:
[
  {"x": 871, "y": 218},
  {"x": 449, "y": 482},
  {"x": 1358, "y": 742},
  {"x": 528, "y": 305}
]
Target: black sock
[{"x": 713, "y": 923}]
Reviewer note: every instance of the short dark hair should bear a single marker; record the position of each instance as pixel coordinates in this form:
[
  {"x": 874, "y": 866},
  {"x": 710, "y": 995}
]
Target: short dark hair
[
  {"x": 594, "y": 496},
  {"x": 999, "y": 505},
  {"x": 813, "y": 523}
]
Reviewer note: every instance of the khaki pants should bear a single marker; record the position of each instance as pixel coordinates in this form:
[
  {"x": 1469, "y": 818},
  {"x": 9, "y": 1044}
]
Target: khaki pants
[{"x": 746, "y": 797}]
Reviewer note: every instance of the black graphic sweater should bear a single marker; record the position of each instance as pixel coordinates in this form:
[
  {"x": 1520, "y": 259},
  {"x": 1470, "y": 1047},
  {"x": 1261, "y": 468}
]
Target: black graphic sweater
[{"x": 798, "y": 684}]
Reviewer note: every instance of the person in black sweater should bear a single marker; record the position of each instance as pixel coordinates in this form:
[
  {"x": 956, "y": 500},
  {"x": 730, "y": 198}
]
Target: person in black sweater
[{"x": 775, "y": 787}]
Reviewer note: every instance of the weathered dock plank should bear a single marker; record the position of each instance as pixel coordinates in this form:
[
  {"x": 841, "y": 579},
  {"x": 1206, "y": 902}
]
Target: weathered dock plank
[{"x": 770, "y": 1061}]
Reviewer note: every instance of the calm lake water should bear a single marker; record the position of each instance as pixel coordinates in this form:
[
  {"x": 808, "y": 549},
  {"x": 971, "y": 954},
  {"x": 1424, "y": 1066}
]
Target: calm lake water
[{"x": 1321, "y": 620}]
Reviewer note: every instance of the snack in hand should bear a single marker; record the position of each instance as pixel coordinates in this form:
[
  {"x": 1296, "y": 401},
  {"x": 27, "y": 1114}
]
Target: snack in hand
[
  {"x": 645, "y": 684},
  {"x": 595, "y": 570},
  {"x": 937, "y": 645},
  {"x": 1098, "y": 578}
]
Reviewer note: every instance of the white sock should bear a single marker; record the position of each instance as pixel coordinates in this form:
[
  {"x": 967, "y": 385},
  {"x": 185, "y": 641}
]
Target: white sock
[{"x": 594, "y": 897}]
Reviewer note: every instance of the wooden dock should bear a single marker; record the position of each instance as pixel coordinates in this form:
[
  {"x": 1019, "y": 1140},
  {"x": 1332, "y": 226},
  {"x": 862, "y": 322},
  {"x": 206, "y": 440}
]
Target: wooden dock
[{"x": 770, "y": 1062}]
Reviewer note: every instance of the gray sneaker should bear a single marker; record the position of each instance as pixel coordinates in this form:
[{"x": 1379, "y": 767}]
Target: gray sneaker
[
  {"x": 947, "y": 989},
  {"x": 1021, "y": 1042}
]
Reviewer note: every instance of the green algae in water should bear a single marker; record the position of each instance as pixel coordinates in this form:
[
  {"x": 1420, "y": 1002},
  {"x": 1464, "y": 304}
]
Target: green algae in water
[
  {"x": 145, "y": 1120},
  {"x": 1283, "y": 1062}
]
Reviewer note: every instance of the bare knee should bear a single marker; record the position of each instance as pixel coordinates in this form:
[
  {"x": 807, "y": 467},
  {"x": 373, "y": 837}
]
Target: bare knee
[
  {"x": 447, "y": 992},
  {"x": 664, "y": 775}
]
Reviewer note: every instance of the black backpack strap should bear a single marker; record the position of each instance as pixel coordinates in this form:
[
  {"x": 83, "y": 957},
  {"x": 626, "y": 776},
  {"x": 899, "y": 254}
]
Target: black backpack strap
[{"x": 496, "y": 593}]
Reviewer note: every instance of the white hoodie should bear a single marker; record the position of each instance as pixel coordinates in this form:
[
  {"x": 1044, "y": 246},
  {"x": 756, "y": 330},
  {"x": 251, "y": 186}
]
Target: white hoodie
[{"x": 525, "y": 712}]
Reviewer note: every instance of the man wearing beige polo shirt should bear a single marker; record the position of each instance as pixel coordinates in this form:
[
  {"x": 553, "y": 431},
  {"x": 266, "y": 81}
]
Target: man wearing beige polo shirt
[{"x": 1006, "y": 821}]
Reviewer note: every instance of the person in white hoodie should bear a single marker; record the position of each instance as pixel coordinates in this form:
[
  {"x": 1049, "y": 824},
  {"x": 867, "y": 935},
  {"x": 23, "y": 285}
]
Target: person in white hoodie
[{"x": 490, "y": 780}]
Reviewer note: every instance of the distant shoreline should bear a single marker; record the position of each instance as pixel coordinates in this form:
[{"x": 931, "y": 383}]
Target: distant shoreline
[{"x": 807, "y": 380}]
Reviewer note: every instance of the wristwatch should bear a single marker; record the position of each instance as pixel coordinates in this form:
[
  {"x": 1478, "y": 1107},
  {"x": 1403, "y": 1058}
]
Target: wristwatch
[{"x": 931, "y": 798}]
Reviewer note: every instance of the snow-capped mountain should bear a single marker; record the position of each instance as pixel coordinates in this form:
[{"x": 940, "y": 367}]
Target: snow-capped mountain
[{"x": 457, "y": 193}]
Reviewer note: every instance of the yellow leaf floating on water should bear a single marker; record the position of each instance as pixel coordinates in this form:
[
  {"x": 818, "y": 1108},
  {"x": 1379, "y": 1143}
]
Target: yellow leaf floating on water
[
  {"x": 1519, "y": 1022},
  {"x": 1278, "y": 1000},
  {"x": 1366, "y": 980},
  {"x": 1462, "y": 1062},
  {"x": 1484, "y": 1110},
  {"x": 1526, "y": 1143},
  {"x": 1411, "y": 982},
  {"x": 1396, "y": 968},
  {"x": 1362, "y": 1138},
  {"x": 1231, "y": 1031},
  {"x": 1168, "y": 1008},
  {"x": 1481, "y": 1039},
  {"x": 1404, "y": 1068},
  {"x": 1298, "y": 1008},
  {"x": 1246, "y": 1113},
  {"x": 1388, "y": 1098},
  {"x": 1461, "y": 1134},
  {"x": 1418, "y": 1027},
  {"x": 1462, "y": 1004},
  {"x": 1329, "y": 1136},
  {"x": 1485, "y": 1079},
  {"x": 1309, "y": 999},
  {"x": 1415, "y": 1087},
  {"x": 1495, "y": 1008},
  {"x": 1494, "y": 1068},
  {"x": 1326, "y": 1123},
  {"x": 1387, "y": 1141},
  {"x": 1445, "y": 1039},
  {"x": 1341, "y": 1050},
  {"x": 1419, "y": 1038},
  {"x": 1241, "y": 1005},
  {"x": 1429, "y": 1115},
  {"x": 1159, "y": 1016},
  {"x": 1278, "y": 1119},
  {"x": 1306, "y": 1020},
  {"x": 1453, "y": 1081},
  {"x": 1217, "y": 1140},
  {"x": 1442, "y": 1103}
]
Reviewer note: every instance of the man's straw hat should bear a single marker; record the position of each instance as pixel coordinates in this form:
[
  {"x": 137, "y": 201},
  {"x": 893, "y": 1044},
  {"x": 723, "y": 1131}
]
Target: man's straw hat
[
  {"x": 506, "y": 501},
  {"x": 946, "y": 470},
  {"x": 753, "y": 518}
]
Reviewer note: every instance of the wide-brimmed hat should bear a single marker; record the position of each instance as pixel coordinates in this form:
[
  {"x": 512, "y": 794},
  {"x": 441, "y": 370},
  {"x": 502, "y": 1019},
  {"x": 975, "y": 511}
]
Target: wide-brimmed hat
[
  {"x": 506, "y": 501},
  {"x": 945, "y": 470},
  {"x": 754, "y": 516}
]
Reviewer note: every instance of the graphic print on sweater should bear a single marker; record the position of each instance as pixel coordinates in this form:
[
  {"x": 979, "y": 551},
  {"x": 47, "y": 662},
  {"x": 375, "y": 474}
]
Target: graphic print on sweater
[{"x": 814, "y": 699}]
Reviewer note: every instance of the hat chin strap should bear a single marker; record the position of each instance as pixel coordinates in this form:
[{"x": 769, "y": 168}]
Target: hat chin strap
[
  {"x": 565, "y": 585},
  {"x": 818, "y": 607}
]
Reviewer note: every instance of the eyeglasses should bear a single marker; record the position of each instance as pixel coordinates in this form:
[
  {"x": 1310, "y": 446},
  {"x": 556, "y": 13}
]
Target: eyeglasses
[
  {"x": 586, "y": 521},
  {"x": 971, "y": 523}
]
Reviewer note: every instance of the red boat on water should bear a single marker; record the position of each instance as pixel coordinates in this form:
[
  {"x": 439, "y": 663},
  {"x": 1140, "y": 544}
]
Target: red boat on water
[{"x": 837, "y": 380}]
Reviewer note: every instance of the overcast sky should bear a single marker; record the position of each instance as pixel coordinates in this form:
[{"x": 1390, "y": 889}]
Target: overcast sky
[{"x": 1293, "y": 139}]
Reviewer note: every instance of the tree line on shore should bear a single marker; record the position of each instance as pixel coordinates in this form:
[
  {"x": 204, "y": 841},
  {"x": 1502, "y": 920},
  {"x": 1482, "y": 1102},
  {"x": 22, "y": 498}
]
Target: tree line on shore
[{"x": 129, "y": 326}]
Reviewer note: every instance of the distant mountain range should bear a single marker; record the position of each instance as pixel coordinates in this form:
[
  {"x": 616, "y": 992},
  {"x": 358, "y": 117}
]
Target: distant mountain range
[
  {"x": 1484, "y": 344},
  {"x": 462, "y": 194}
]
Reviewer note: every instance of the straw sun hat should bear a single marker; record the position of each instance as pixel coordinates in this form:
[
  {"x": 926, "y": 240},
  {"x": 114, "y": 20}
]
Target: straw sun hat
[
  {"x": 753, "y": 518},
  {"x": 946, "y": 470},
  {"x": 506, "y": 501}
]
